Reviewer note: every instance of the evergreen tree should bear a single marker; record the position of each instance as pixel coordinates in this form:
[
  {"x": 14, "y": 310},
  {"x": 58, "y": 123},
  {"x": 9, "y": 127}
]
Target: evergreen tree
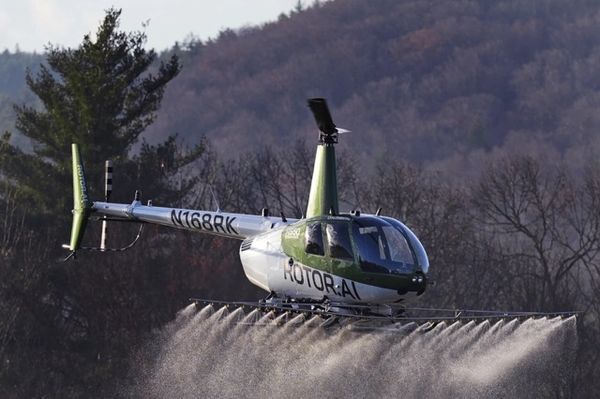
[
  {"x": 66, "y": 329},
  {"x": 102, "y": 95}
]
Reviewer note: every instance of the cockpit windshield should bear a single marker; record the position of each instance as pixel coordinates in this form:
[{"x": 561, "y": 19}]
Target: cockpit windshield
[{"x": 383, "y": 247}]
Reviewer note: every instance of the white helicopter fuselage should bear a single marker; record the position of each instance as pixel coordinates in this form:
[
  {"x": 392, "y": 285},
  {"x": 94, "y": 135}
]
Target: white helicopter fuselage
[
  {"x": 263, "y": 259},
  {"x": 267, "y": 266}
]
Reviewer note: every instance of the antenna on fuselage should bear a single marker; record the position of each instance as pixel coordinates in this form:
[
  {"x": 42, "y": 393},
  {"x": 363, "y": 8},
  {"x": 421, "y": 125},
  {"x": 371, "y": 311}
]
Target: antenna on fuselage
[
  {"x": 108, "y": 176},
  {"x": 214, "y": 197}
]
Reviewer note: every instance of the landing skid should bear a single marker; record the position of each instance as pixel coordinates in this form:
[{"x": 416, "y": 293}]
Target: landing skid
[{"x": 335, "y": 312}]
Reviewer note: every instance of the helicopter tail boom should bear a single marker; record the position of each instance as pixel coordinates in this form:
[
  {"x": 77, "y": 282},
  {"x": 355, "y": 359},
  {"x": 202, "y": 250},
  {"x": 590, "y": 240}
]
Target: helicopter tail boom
[{"x": 231, "y": 225}]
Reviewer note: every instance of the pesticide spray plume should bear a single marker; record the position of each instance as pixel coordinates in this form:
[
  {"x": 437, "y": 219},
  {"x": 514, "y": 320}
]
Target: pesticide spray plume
[{"x": 248, "y": 353}]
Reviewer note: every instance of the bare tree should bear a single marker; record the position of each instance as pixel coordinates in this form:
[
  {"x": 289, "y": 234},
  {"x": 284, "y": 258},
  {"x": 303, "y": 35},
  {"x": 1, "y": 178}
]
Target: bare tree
[
  {"x": 543, "y": 221},
  {"x": 544, "y": 224}
]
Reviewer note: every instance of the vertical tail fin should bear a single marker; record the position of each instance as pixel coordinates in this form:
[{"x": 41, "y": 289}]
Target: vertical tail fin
[{"x": 81, "y": 203}]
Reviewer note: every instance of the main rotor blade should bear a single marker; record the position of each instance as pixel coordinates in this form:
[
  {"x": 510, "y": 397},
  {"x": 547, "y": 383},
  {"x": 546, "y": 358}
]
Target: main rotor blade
[{"x": 319, "y": 108}]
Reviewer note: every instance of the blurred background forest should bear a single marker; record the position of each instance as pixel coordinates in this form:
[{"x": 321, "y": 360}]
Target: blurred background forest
[{"x": 474, "y": 122}]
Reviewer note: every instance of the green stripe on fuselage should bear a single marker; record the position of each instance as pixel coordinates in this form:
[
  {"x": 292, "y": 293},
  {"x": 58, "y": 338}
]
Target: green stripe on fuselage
[{"x": 293, "y": 244}]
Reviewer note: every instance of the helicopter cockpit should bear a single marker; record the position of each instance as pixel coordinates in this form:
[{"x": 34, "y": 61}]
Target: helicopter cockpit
[
  {"x": 387, "y": 246},
  {"x": 382, "y": 244}
]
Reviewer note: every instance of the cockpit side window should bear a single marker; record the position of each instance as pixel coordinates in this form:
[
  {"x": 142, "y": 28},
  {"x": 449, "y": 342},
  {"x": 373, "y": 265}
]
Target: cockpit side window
[
  {"x": 338, "y": 239},
  {"x": 314, "y": 239},
  {"x": 371, "y": 248}
]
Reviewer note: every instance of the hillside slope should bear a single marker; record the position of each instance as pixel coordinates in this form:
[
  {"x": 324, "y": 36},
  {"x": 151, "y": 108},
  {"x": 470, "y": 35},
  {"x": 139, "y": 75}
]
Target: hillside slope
[
  {"x": 13, "y": 89},
  {"x": 427, "y": 81},
  {"x": 423, "y": 80}
]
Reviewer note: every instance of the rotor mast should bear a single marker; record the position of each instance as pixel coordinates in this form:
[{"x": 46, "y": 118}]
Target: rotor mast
[{"x": 323, "y": 197}]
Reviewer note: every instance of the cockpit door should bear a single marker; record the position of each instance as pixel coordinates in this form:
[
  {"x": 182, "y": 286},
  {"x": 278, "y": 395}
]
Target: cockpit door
[{"x": 338, "y": 245}]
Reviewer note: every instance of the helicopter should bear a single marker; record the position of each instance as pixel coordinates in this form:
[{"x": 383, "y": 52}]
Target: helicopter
[
  {"x": 328, "y": 261},
  {"x": 346, "y": 258}
]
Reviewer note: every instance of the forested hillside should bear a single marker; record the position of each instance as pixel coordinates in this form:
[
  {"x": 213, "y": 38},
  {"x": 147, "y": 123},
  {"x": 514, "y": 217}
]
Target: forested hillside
[
  {"x": 12, "y": 86},
  {"x": 424, "y": 80}
]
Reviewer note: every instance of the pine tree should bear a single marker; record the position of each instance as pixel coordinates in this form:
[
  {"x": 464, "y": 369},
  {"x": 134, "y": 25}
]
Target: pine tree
[
  {"x": 102, "y": 95},
  {"x": 67, "y": 328}
]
